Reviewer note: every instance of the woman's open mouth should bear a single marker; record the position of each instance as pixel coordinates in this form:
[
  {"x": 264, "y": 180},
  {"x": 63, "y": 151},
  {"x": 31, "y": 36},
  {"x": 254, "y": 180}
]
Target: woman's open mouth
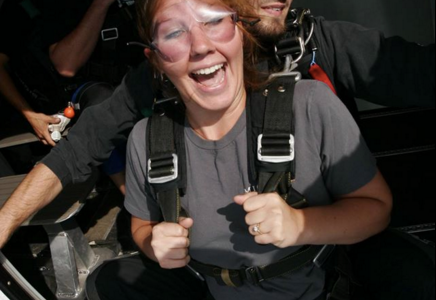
[{"x": 210, "y": 77}]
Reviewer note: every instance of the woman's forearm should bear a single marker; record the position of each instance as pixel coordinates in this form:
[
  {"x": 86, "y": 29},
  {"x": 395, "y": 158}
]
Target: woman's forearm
[
  {"x": 351, "y": 219},
  {"x": 142, "y": 235},
  {"x": 345, "y": 222}
]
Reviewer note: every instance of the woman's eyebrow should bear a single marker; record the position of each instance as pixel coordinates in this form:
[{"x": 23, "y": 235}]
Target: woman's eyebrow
[
  {"x": 167, "y": 16},
  {"x": 163, "y": 20}
]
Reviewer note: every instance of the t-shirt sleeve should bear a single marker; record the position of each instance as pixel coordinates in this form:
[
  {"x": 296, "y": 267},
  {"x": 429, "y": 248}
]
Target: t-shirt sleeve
[
  {"x": 346, "y": 162},
  {"x": 101, "y": 128},
  {"x": 140, "y": 200}
]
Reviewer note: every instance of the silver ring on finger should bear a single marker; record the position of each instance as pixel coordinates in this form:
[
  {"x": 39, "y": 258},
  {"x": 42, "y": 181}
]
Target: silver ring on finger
[{"x": 256, "y": 229}]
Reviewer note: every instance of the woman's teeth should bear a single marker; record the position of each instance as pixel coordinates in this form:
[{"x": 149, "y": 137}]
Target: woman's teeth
[
  {"x": 210, "y": 77},
  {"x": 208, "y": 71}
]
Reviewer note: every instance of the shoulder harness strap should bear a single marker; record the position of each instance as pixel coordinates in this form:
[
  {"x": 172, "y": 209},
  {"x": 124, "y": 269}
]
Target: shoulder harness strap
[
  {"x": 166, "y": 166},
  {"x": 271, "y": 131}
]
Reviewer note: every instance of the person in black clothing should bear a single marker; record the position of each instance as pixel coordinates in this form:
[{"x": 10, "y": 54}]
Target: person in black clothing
[
  {"x": 19, "y": 21},
  {"x": 88, "y": 39},
  {"x": 88, "y": 43},
  {"x": 365, "y": 66}
]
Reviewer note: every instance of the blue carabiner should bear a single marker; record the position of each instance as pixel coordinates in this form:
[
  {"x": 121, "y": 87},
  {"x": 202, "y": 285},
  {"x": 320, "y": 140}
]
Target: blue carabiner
[{"x": 313, "y": 59}]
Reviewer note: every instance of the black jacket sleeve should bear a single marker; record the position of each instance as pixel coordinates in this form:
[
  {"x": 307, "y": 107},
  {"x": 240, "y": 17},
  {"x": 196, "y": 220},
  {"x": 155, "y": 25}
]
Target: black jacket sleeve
[
  {"x": 385, "y": 71},
  {"x": 101, "y": 128}
]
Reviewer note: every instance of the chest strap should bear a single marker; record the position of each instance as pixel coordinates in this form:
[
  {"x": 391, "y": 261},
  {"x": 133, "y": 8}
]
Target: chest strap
[{"x": 256, "y": 275}]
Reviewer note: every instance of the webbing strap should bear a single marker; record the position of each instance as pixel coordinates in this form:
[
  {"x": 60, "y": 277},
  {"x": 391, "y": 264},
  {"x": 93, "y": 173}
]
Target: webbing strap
[
  {"x": 256, "y": 275},
  {"x": 163, "y": 136},
  {"x": 170, "y": 204},
  {"x": 113, "y": 29},
  {"x": 278, "y": 125},
  {"x": 279, "y": 106}
]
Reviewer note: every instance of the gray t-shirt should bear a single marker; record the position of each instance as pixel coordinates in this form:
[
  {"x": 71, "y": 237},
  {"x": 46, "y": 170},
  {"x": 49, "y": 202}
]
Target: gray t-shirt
[{"x": 332, "y": 160}]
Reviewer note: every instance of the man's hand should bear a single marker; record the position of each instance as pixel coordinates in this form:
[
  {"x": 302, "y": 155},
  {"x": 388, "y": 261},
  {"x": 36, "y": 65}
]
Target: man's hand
[
  {"x": 39, "y": 123},
  {"x": 271, "y": 220},
  {"x": 170, "y": 244}
]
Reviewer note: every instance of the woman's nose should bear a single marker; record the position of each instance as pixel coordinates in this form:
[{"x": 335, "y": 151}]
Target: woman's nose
[{"x": 201, "y": 44}]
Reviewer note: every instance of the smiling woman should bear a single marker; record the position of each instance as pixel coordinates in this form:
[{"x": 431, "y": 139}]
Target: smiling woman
[
  {"x": 208, "y": 37},
  {"x": 219, "y": 27},
  {"x": 201, "y": 48}
]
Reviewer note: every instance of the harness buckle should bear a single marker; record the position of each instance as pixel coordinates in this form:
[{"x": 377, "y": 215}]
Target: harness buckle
[
  {"x": 254, "y": 275},
  {"x": 109, "y": 34},
  {"x": 163, "y": 169},
  {"x": 323, "y": 255},
  {"x": 275, "y": 148}
]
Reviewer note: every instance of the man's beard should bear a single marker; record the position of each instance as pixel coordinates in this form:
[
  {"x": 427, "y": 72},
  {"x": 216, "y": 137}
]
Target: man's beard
[{"x": 269, "y": 30}]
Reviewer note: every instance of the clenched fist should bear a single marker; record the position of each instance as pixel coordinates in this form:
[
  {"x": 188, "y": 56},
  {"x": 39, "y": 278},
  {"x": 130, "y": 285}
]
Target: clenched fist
[
  {"x": 170, "y": 243},
  {"x": 271, "y": 220}
]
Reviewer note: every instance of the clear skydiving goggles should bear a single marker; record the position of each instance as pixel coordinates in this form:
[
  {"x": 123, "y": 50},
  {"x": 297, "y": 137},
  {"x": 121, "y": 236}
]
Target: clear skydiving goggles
[{"x": 172, "y": 35}]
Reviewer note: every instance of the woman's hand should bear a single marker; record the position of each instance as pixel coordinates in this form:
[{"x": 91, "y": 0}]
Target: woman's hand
[
  {"x": 271, "y": 220},
  {"x": 350, "y": 219},
  {"x": 170, "y": 244}
]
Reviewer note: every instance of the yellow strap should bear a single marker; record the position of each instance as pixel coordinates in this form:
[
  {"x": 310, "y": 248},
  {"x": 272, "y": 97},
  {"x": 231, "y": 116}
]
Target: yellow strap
[{"x": 225, "y": 276}]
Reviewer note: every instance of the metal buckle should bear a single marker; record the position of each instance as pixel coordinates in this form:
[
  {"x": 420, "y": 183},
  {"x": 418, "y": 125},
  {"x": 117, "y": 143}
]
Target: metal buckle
[
  {"x": 275, "y": 159},
  {"x": 109, "y": 34},
  {"x": 254, "y": 276},
  {"x": 323, "y": 255},
  {"x": 288, "y": 70},
  {"x": 168, "y": 178}
]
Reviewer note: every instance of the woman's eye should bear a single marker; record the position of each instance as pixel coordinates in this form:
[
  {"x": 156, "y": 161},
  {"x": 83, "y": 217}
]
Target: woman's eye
[
  {"x": 174, "y": 34},
  {"x": 214, "y": 22}
]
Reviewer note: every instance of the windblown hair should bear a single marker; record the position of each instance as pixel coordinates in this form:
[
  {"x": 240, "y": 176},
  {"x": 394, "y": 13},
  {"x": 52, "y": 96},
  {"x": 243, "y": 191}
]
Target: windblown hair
[{"x": 147, "y": 9}]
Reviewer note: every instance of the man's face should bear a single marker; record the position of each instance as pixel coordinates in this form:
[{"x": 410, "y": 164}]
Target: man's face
[{"x": 273, "y": 14}]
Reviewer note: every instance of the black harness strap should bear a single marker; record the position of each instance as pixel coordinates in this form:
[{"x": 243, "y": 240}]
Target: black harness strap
[
  {"x": 112, "y": 29},
  {"x": 256, "y": 275},
  {"x": 271, "y": 117},
  {"x": 167, "y": 161},
  {"x": 278, "y": 128}
]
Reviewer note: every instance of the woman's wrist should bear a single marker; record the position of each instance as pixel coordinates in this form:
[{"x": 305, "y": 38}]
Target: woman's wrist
[{"x": 299, "y": 235}]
